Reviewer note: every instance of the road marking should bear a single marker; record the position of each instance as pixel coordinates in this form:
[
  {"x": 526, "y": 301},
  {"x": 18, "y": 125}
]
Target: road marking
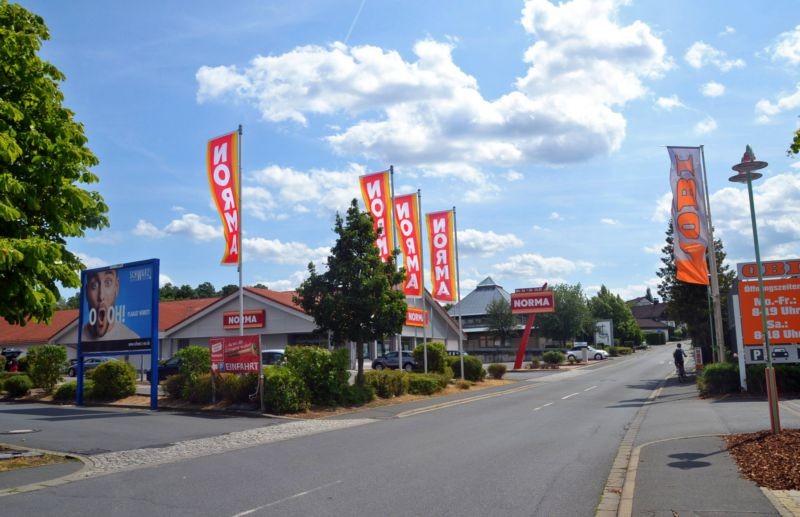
[
  {"x": 543, "y": 406},
  {"x": 279, "y": 501},
  {"x": 590, "y": 388},
  {"x": 569, "y": 396},
  {"x": 412, "y": 412}
]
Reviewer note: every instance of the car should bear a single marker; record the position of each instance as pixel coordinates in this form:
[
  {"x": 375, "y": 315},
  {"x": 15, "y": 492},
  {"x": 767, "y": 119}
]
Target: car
[
  {"x": 272, "y": 357},
  {"x": 780, "y": 352},
  {"x": 389, "y": 360},
  {"x": 456, "y": 353},
  {"x": 576, "y": 353},
  {"x": 171, "y": 366},
  {"x": 89, "y": 363}
]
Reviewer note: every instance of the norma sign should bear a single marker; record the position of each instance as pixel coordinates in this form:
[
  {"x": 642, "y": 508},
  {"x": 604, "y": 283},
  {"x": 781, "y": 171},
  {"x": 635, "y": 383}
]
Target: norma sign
[
  {"x": 532, "y": 302},
  {"x": 416, "y": 317},
  {"x": 235, "y": 354},
  {"x": 782, "y": 308},
  {"x": 253, "y": 319}
]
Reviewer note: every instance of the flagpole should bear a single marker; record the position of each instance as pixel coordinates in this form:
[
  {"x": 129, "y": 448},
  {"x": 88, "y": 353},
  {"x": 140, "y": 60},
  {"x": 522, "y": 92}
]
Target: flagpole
[
  {"x": 458, "y": 291},
  {"x": 712, "y": 259},
  {"x": 241, "y": 233},
  {"x": 398, "y": 337},
  {"x": 422, "y": 285}
]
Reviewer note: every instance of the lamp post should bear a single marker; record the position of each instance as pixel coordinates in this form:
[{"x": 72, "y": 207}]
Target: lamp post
[{"x": 746, "y": 174}]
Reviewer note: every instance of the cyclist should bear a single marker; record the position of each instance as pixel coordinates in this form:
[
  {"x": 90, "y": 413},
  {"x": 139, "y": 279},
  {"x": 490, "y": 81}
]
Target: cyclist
[{"x": 678, "y": 355}]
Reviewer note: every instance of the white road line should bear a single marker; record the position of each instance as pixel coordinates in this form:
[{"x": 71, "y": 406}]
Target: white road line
[
  {"x": 548, "y": 404},
  {"x": 590, "y": 388},
  {"x": 543, "y": 406},
  {"x": 279, "y": 501},
  {"x": 569, "y": 396}
]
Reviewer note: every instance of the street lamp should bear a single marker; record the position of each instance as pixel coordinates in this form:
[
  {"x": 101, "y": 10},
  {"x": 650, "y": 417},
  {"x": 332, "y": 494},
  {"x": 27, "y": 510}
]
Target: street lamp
[{"x": 746, "y": 174}]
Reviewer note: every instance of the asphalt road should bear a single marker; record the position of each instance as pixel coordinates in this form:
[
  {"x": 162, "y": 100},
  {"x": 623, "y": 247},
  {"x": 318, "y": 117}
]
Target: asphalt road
[{"x": 543, "y": 447}]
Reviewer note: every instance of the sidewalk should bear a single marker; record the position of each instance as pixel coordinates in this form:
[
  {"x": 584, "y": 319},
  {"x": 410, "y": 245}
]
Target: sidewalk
[{"x": 679, "y": 464}]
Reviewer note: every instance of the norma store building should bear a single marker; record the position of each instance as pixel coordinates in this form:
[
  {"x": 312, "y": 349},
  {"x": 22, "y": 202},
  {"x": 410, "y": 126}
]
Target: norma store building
[{"x": 272, "y": 315}]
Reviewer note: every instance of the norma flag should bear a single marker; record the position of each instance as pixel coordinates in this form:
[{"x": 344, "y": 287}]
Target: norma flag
[
  {"x": 689, "y": 218},
  {"x": 441, "y": 240},
  {"x": 377, "y": 194},
  {"x": 407, "y": 217},
  {"x": 222, "y": 158}
]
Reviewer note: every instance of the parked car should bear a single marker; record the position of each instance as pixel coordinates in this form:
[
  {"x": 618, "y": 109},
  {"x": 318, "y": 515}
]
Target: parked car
[
  {"x": 89, "y": 363},
  {"x": 273, "y": 356},
  {"x": 11, "y": 353},
  {"x": 576, "y": 353},
  {"x": 389, "y": 360},
  {"x": 171, "y": 366}
]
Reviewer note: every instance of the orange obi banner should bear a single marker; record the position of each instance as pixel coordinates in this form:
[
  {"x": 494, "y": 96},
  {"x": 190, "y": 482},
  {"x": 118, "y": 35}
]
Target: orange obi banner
[
  {"x": 406, "y": 214},
  {"x": 377, "y": 194},
  {"x": 441, "y": 241},
  {"x": 235, "y": 354},
  {"x": 781, "y": 306},
  {"x": 222, "y": 160},
  {"x": 689, "y": 218},
  {"x": 416, "y": 317}
]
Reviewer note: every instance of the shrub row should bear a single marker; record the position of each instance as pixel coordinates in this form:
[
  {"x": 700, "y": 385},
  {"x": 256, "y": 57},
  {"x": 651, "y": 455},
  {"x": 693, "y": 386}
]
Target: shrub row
[
  {"x": 721, "y": 378},
  {"x": 393, "y": 383},
  {"x": 473, "y": 368},
  {"x": 615, "y": 351}
]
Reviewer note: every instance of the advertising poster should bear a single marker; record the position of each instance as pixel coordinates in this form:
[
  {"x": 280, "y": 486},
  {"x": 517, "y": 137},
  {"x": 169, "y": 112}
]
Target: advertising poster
[
  {"x": 689, "y": 218},
  {"x": 223, "y": 179},
  {"x": 377, "y": 193},
  {"x": 118, "y": 308},
  {"x": 235, "y": 354},
  {"x": 407, "y": 218},
  {"x": 441, "y": 241},
  {"x": 782, "y": 308}
]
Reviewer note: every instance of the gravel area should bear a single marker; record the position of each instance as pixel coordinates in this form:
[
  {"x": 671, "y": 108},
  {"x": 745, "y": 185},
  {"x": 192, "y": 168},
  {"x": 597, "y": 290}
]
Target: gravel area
[{"x": 770, "y": 460}]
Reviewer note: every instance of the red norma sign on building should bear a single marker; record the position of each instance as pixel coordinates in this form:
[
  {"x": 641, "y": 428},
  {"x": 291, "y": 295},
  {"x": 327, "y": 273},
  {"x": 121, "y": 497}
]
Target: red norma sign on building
[
  {"x": 253, "y": 319},
  {"x": 532, "y": 302}
]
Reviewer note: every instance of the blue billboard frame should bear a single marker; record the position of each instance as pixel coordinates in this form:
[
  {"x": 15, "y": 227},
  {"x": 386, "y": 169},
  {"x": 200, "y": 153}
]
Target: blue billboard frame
[{"x": 113, "y": 330}]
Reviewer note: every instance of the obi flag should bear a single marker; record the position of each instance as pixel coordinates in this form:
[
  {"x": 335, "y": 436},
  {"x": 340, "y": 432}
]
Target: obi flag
[
  {"x": 406, "y": 215},
  {"x": 689, "y": 217},
  {"x": 441, "y": 240},
  {"x": 222, "y": 160},
  {"x": 377, "y": 194}
]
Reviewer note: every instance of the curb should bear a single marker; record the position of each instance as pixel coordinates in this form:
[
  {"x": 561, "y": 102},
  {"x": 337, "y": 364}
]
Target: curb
[{"x": 62, "y": 480}]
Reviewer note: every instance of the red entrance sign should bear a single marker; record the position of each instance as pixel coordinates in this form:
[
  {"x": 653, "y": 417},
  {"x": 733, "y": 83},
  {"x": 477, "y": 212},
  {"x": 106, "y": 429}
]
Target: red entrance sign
[
  {"x": 416, "y": 318},
  {"x": 235, "y": 354},
  {"x": 782, "y": 307},
  {"x": 532, "y": 302},
  {"x": 253, "y": 319}
]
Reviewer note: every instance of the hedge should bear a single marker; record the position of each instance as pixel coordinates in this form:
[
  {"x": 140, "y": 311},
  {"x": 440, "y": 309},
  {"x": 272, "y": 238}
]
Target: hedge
[
  {"x": 323, "y": 372},
  {"x": 437, "y": 357},
  {"x": 284, "y": 391},
  {"x": 114, "y": 380},
  {"x": 387, "y": 383},
  {"x": 18, "y": 385},
  {"x": 424, "y": 383},
  {"x": 67, "y": 391},
  {"x": 497, "y": 370},
  {"x": 473, "y": 368}
]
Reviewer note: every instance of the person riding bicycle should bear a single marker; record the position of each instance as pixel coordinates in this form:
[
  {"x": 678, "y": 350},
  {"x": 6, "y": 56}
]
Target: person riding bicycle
[{"x": 678, "y": 355}]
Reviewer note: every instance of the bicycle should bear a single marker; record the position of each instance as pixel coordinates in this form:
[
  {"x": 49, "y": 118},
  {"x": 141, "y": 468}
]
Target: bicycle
[{"x": 681, "y": 372}]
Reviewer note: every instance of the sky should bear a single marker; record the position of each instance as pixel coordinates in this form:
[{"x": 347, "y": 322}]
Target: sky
[{"x": 545, "y": 125}]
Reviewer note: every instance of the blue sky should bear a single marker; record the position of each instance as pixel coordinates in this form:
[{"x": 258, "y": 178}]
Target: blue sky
[{"x": 543, "y": 123}]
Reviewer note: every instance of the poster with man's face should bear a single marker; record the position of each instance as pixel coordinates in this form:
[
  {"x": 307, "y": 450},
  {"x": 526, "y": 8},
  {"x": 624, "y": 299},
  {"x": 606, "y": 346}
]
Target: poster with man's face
[{"x": 116, "y": 308}]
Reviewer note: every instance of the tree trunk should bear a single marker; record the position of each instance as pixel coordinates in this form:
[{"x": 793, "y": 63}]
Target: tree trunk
[{"x": 360, "y": 363}]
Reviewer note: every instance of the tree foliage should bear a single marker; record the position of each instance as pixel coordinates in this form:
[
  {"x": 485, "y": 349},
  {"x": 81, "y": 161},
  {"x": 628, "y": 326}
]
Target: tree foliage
[
  {"x": 794, "y": 148},
  {"x": 500, "y": 321},
  {"x": 688, "y": 303},
  {"x": 355, "y": 298},
  {"x": 43, "y": 161},
  {"x": 571, "y": 318},
  {"x": 606, "y": 305}
]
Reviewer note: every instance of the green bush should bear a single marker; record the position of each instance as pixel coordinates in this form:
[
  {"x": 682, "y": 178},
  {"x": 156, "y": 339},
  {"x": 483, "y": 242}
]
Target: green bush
[
  {"x": 424, "y": 383},
  {"x": 437, "y": 357},
  {"x": 114, "y": 380},
  {"x": 497, "y": 370},
  {"x": 284, "y": 391},
  {"x": 22, "y": 363},
  {"x": 324, "y": 373},
  {"x": 2, "y": 363},
  {"x": 44, "y": 365},
  {"x": 387, "y": 383},
  {"x": 624, "y": 350},
  {"x": 195, "y": 361},
  {"x": 535, "y": 363},
  {"x": 233, "y": 387},
  {"x": 553, "y": 358},
  {"x": 613, "y": 351},
  {"x": 473, "y": 368},
  {"x": 173, "y": 385},
  {"x": 355, "y": 395},
  {"x": 67, "y": 391},
  {"x": 18, "y": 385},
  {"x": 787, "y": 378},
  {"x": 463, "y": 385},
  {"x": 199, "y": 391},
  {"x": 718, "y": 379}
]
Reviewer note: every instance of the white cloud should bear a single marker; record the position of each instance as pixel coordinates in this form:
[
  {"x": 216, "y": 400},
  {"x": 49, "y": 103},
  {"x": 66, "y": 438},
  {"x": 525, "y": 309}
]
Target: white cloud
[
  {"x": 191, "y": 225},
  {"x": 513, "y": 176},
  {"x": 609, "y": 221},
  {"x": 555, "y": 216},
  {"x": 287, "y": 284},
  {"x": 727, "y": 31},
  {"x": 90, "y": 262},
  {"x": 713, "y": 89},
  {"x": 655, "y": 249},
  {"x": 705, "y": 126},
  {"x": 486, "y": 243},
  {"x": 701, "y": 54},
  {"x": 795, "y": 165},
  {"x": 584, "y": 66},
  {"x": 273, "y": 250},
  {"x": 163, "y": 280},
  {"x": 536, "y": 269},
  {"x": 787, "y": 47},
  {"x": 765, "y": 109},
  {"x": 669, "y": 103}
]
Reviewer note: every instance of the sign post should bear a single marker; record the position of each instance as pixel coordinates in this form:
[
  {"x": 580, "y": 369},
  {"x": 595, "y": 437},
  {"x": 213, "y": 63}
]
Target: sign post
[{"x": 530, "y": 301}]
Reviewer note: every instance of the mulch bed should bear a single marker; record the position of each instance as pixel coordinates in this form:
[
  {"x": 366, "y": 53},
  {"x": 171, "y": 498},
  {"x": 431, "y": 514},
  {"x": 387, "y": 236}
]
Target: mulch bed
[{"x": 770, "y": 460}]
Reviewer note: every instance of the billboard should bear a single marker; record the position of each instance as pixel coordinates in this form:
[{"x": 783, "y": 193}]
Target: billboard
[
  {"x": 119, "y": 308},
  {"x": 781, "y": 306},
  {"x": 532, "y": 302},
  {"x": 253, "y": 319},
  {"x": 416, "y": 317},
  {"x": 238, "y": 354}
]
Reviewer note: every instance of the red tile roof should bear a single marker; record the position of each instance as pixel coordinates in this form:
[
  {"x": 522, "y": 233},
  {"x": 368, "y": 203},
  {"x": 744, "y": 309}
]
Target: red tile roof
[
  {"x": 35, "y": 333},
  {"x": 282, "y": 297}
]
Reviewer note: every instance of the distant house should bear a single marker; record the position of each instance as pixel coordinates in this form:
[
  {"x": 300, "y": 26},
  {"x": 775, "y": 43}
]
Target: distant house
[{"x": 651, "y": 316}]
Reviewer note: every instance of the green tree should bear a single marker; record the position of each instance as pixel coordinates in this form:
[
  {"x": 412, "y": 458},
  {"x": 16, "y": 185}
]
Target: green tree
[
  {"x": 605, "y": 305},
  {"x": 571, "y": 318},
  {"x": 355, "y": 298},
  {"x": 688, "y": 303},
  {"x": 43, "y": 161},
  {"x": 500, "y": 321},
  {"x": 794, "y": 148},
  {"x": 73, "y": 302},
  {"x": 228, "y": 289},
  {"x": 205, "y": 290}
]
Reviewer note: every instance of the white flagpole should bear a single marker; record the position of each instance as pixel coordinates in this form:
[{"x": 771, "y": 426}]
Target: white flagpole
[
  {"x": 422, "y": 285},
  {"x": 712, "y": 259},
  {"x": 458, "y": 290},
  {"x": 241, "y": 235},
  {"x": 398, "y": 337}
]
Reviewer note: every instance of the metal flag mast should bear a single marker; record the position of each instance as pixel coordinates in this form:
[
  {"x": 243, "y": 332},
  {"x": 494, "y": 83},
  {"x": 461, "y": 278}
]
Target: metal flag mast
[
  {"x": 397, "y": 337},
  {"x": 712, "y": 260},
  {"x": 458, "y": 291},
  {"x": 422, "y": 286}
]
